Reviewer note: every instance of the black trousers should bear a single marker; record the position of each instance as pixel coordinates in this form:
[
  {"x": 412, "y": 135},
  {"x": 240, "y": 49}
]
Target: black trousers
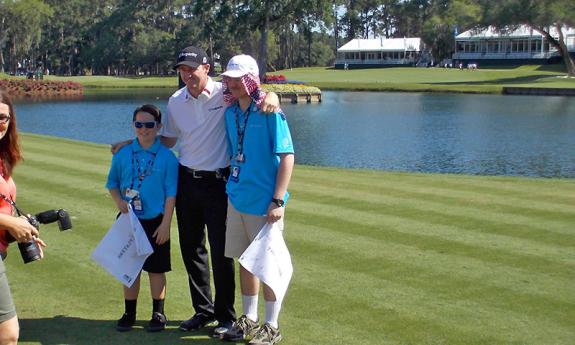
[{"x": 202, "y": 204}]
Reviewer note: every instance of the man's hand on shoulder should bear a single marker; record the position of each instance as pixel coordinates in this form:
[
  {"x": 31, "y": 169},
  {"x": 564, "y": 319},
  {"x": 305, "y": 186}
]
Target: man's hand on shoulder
[
  {"x": 168, "y": 141},
  {"x": 271, "y": 103},
  {"x": 115, "y": 147}
]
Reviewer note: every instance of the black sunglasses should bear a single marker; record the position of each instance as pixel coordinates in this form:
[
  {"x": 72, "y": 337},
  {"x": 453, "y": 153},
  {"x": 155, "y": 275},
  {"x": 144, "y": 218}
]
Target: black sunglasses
[
  {"x": 150, "y": 124},
  {"x": 4, "y": 118}
]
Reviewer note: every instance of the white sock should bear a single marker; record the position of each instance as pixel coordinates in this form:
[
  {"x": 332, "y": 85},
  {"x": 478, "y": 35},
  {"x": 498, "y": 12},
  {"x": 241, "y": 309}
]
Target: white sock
[
  {"x": 272, "y": 313},
  {"x": 250, "y": 305}
]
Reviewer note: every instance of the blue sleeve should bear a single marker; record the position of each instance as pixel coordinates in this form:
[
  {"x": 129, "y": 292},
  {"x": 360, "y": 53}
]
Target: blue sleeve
[
  {"x": 115, "y": 173},
  {"x": 171, "y": 181},
  {"x": 280, "y": 134}
]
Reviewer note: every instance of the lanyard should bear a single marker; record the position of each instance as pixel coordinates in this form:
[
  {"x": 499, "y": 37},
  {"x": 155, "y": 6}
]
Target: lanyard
[
  {"x": 138, "y": 172},
  {"x": 242, "y": 131}
]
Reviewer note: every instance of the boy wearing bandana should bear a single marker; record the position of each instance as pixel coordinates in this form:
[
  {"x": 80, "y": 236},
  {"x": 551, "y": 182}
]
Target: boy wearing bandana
[{"x": 262, "y": 159}]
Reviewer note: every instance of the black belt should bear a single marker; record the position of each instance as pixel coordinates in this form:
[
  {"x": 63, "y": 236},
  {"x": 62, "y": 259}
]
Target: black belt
[{"x": 221, "y": 173}]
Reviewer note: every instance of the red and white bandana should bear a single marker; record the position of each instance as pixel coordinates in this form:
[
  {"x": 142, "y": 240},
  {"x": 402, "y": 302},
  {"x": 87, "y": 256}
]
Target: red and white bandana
[{"x": 251, "y": 85}]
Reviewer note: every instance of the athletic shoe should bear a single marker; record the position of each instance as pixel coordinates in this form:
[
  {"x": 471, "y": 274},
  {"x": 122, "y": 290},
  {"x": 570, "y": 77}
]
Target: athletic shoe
[
  {"x": 157, "y": 323},
  {"x": 243, "y": 328},
  {"x": 196, "y": 322},
  {"x": 126, "y": 323},
  {"x": 221, "y": 328},
  {"x": 266, "y": 335}
]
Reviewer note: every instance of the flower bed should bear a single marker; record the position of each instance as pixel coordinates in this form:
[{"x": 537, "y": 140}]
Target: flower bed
[
  {"x": 18, "y": 87},
  {"x": 291, "y": 88},
  {"x": 280, "y": 79}
]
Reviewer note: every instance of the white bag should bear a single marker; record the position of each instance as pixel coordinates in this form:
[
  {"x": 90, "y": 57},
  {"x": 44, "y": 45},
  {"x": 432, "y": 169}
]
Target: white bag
[
  {"x": 268, "y": 258},
  {"x": 124, "y": 249}
]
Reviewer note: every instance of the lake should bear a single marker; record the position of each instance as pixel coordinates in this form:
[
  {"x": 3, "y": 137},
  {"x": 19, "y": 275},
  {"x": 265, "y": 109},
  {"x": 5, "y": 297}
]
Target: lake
[{"x": 437, "y": 133}]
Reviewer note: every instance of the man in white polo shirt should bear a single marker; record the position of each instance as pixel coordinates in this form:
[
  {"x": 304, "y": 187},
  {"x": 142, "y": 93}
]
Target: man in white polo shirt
[{"x": 195, "y": 117}]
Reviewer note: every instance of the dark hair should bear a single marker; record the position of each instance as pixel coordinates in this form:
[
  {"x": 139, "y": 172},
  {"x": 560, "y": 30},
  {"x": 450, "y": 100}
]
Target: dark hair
[
  {"x": 9, "y": 144},
  {"x": 150, "y": 109}
]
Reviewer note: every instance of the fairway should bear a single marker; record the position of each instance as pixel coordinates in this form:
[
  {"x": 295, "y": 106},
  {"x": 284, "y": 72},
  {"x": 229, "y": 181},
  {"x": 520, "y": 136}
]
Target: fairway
[
  {"x": 483, "y": 80},
  {"x": 379, "y": 258}
]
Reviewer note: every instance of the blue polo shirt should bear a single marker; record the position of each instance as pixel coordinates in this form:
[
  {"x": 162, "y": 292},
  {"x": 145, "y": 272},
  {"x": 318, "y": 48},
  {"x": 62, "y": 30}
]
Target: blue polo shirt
[
  {"x": 157, "y": 164},
  {"x": 266, "y": 136}
]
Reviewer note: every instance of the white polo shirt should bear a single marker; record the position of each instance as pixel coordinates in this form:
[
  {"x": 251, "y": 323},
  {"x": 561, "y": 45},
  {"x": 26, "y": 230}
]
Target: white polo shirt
[{"x": 199, "y": 125}]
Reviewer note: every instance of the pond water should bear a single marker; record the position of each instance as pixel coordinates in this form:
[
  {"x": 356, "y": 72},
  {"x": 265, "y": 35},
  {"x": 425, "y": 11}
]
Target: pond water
[{"x": 440, "y": 133}]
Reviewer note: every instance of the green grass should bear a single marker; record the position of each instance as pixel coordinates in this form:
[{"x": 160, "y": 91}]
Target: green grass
[
  {"x": 107, "y": 82},
  {"x": 483, "y": 80},
  {"x": 379, "y": 257}
]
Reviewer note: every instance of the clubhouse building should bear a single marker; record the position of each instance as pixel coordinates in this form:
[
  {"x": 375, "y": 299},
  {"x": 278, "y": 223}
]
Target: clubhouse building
[
  {"x": 379, "y": 52},
  {"x": 520, "y": 46}
]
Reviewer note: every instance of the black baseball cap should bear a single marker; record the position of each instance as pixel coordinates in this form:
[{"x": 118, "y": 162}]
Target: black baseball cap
[{"x": 192, "y": 56}]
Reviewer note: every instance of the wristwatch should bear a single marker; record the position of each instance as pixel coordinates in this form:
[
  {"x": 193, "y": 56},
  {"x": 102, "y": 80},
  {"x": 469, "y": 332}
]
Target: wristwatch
[{"x": 278, "y": 202}]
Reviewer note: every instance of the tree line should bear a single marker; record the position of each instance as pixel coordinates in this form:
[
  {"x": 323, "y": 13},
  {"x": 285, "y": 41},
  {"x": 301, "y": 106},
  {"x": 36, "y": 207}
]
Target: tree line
[{"x": 131, "y": 37}]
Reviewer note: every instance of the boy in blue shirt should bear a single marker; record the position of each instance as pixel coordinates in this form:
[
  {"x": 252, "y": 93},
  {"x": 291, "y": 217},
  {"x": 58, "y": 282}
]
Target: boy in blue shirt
[
  {"x": 262, "y": 160},
  {"x": 145, "y": 174}
]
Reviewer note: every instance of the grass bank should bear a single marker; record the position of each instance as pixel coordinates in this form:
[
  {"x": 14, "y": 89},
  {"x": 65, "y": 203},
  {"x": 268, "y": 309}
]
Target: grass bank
[
  {"x": 483, "y": 80},
  {"x": 379, "y": 258}
]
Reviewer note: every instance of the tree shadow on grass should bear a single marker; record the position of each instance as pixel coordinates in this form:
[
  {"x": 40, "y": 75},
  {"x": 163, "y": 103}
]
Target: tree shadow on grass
[{"x": 73, "y": 330}]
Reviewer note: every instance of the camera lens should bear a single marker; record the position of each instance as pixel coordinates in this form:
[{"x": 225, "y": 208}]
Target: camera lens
[
  {"x": 64, "y": 221},
  {"x": 30, "y": 251}
]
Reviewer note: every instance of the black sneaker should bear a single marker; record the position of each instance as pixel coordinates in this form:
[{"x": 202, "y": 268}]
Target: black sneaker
[
  {"x": 196, "y": 322},
  {"x": 242, "y": 329},
  {"x": 221, "y": 328},
  {"x": 157, "y": 322},
  {"x": 126, "y": 323},
  {"x": 266, "y": 335}
]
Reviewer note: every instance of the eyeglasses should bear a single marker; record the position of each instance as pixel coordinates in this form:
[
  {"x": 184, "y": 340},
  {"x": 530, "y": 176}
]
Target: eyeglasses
[
  {"x": 150, "y": 124},
  {"x": 4, "y": 119}
]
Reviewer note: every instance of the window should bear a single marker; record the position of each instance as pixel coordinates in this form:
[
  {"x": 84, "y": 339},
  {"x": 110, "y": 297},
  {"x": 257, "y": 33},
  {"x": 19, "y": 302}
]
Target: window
[{"x": 535, "y": 45}]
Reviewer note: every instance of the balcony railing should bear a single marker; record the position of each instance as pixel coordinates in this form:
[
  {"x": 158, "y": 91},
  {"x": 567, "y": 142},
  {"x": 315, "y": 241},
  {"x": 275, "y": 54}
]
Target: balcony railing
[{"x": 513, "y": 55}]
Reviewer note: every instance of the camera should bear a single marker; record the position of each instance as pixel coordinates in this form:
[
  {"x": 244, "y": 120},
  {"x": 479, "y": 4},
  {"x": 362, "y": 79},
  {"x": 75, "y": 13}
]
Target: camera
[{"x": 30, "y": 250}]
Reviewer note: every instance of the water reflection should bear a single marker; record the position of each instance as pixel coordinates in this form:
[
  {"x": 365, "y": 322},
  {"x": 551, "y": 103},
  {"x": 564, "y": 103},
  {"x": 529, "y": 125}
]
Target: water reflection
[{"x": 471, "y": 134}]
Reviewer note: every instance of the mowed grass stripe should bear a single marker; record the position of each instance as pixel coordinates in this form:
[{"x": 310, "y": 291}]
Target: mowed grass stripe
[
  {"x": 390, "y": 260},
  {"x": 86, "y": 168},
  {"x": 558, "y": 190},
  {"x": 373, "y": 325},
  {"x": 435, "y": 224},
  {"x": 519, "y": 206},
  {"x": 378, "y": 303},
  {"x": 86, "y": 159},
  {"x": 433, "y": 237},
  {"x": 552, "y": 220},
  {"x": 484, "y": 198},
  {"x": 434, "y": 286},
  {"x": 470, "y": 219}
]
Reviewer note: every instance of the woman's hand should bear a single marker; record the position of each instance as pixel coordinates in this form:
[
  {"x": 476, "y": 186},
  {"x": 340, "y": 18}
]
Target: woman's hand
[
  {"x": 41, "y": 245},
  {"x": 21, "y": 229},
  {"x": 275, "y": 213},
  {"x": 162, "y": 233}
]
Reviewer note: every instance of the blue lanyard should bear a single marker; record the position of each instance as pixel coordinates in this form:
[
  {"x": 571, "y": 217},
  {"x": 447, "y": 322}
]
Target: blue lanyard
[
  {"x": 140, "y": 173},
  {"x": 242, "y": 128}
]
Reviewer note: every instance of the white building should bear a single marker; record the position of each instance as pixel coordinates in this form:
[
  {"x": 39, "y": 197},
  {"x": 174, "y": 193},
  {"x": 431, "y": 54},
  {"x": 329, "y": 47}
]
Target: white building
[
  {"x": 379, "y": 52},
  {"x": 520, "y": 46}
]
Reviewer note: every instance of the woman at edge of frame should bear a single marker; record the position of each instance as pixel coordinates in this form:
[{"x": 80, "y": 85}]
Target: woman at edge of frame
[{"x": 17, "y": 227}]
